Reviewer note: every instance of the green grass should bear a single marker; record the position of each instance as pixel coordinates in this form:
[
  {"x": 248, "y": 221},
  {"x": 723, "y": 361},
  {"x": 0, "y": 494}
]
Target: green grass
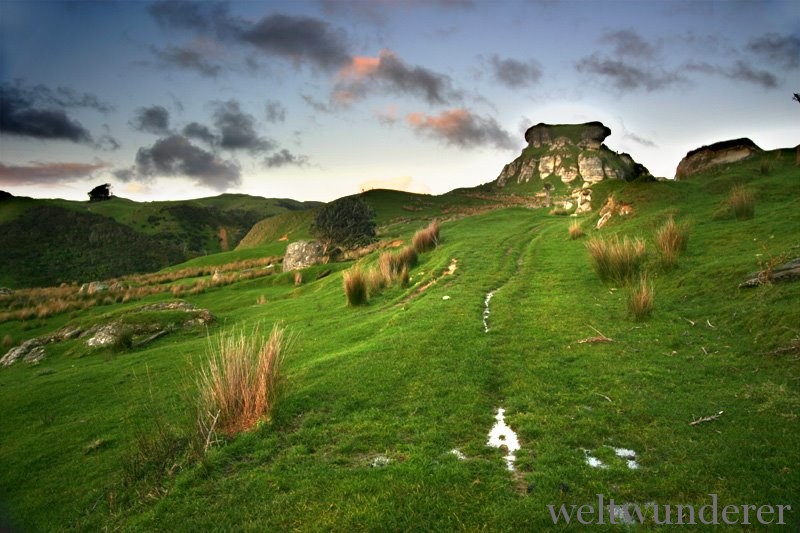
[{"x": 411, "y": 376}]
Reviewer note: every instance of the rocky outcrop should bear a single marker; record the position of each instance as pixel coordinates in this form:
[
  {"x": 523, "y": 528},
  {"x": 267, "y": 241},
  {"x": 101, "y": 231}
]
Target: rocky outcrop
[
  {"x": 715, "y": 154},
  {"x": 302, "y": 254},
  {"x": 572, "y": 153}
]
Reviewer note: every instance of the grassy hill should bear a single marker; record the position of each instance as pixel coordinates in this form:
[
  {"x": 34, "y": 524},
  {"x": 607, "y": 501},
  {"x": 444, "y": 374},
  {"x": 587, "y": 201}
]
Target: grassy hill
[
  {"x": 142, "y": 237},
  {"x": 375, "y": 399}
]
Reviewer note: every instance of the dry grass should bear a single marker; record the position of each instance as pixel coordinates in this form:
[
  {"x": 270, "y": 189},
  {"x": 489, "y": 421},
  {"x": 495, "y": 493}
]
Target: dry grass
[
  {"x": 742, "y": 202},
  {"x": 426, "y": 239},
  {"x": 640, "y": 299},
  {"x": 376, "y": 281},
  {"x": 575, "y": 230},
  {"x": 355, "y": 287},
  {"x": 616, "y": 260},
  {"x": 297, "y": 278},
  {"x": 239, "y": 383},
  {"x": 671, "y": 240}
]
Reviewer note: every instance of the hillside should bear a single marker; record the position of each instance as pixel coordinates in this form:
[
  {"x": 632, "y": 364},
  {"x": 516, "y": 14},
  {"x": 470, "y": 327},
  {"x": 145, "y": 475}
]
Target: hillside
[
  {"x": 139, "y": 237},
  {"x": 385, "y": 410}
]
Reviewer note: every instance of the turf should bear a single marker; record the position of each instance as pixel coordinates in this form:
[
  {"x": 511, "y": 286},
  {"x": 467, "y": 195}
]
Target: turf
[{"x": 377, "y": 397}]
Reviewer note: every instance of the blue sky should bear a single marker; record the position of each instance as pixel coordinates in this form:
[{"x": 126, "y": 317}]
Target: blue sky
[{"x": 315, "y": 100}]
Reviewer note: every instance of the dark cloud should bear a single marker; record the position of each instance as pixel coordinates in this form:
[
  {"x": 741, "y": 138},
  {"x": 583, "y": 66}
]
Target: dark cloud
[
  {"x": 315, "y": 104},
  {"x": 237, "y": 129},
  {"x": 187, "y": 57},
  {"x": 206, "y": 16},
  {"x": 378, "y": 11},
  {"x": 513, "y": 73},
  {"x": 299, "y": 39},
  {"x": 627, "y": 76},
  {"x": 285, "y": 158},
  {"x": 176, "y": 156},
  {"x": 275, "y": 112},
  {"x": 628, "y": 43},
  {"x": 389, "y": 73},
  {"x": 153, "y": 119},
  {"x": 640, "y": 140},
  {"x": 195, "y": 130},
  {"x": 740, "y": 71},
  {"x": 462, "y": 128},
  {"x": 39, "y": 112},
  {"x": 47, "y": 173},
  {"x": 782, "y": 50},
  {"x": 107, "y": 142}
]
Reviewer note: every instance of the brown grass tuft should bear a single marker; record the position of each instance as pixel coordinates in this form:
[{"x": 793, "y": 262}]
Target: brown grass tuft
[
  {"x": 355, "y": 287},
  {"x": 671, "y": 240},
  {"x": 640, "y": 299},
  {"x": 575, "y": 230},
  {"x": 240, "y": 380},
  {"x": 298, "y": 278},
  {"x": 426, "y": 239},
  {"x": 742, "y": 202},
  {"x": 376, "y": 281},
  {"x": 615, "y": 260}
]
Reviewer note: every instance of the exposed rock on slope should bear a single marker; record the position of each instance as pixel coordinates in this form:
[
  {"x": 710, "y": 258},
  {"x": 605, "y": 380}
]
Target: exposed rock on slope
[
  {"x": 573, "y": 153},
  {"x": 715, "y": 154}
]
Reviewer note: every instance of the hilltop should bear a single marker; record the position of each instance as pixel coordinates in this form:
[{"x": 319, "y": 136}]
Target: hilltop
[{"x": 385, "y": 410}]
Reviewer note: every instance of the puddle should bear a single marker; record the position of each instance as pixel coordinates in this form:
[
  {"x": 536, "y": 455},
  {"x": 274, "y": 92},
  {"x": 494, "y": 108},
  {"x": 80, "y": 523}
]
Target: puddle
[
  {"x": 622, "y": 453},
  {"x": 502, "y": 435},
  {"x": 486, "y": 311}
]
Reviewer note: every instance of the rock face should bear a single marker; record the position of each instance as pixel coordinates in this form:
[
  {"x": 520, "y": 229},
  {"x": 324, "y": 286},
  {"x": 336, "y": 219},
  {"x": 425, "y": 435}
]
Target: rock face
[
  {"x": 715, "y": 154},
  {"x": 572, "y": 153},
  {"x": 302, "y": 254}
]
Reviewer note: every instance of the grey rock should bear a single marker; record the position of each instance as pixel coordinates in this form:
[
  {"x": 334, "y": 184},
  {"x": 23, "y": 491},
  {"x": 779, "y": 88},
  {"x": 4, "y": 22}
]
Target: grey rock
[{"x": 303, "y": 254}]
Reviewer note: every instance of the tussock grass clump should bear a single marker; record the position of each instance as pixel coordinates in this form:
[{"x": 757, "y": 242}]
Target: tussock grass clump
[
  {"x": 640, "y": 299},
  {"x": 8, "y": 341},
  {"x": 616, "y": 260},
  {"x": 376, "y": 281},
  {"x": 742, "y": 202},
  {"x": 355, "y": 287},
  {"x": 575, "y": 230},
  {"x": 298, "y": 278},
  {"x": 426, "y": 239},
  {"x": 239, "y": 384},
  {"x": 671, "y": 240}
]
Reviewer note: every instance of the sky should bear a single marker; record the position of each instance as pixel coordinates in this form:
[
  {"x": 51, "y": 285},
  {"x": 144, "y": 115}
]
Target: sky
[{"x": 318, "y": 99}]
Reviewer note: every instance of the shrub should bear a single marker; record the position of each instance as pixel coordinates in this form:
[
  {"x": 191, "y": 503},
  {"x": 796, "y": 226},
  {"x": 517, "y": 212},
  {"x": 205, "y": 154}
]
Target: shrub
[
  {"x": 616, "y": 260},
  {"x": 575, "y": 230},
  {"x": 640, "y": 299},
  {"x": 347, "y": 222},
  {"x": 426, "y": 239},
  {"x": 742, "y": 202},
  {"x": 239, "y": 384},
  {"x": 671, "y": 240},
  {"x": 355, "y": 287}
]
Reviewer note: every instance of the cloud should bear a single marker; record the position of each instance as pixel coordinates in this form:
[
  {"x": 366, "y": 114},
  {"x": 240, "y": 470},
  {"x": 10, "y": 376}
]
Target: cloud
[
  {"x": 275, "y": 112},
  {"x": 628, "y": 43},
  {"x": 195, "y": 130},
  {"x": 299, "y": 39},
  {"x": 39, "y": 112},
  {"x": 285, "y": 158},
  {"x": 176, "y": 156},
  {"x": 38, "y": 173},
  {"x": 513, "y": 73},
  {"x": 627, "y": 76},
  {"x": 387, "y": 72},
  {"x": 193, "y": 15},
  {"x": 640, "y": 140},
  {"x": 153, "y": 119},
  {"x": 388, "y": 116},
  {"x": 740, "y": 71},
  {"x": 194, "y": 56},
  {"x": 782, "y": 50},
  {"x": 315, "y": 104},
  {"x": 462, "y": 128},
  {"x": 237, "y": 129}
]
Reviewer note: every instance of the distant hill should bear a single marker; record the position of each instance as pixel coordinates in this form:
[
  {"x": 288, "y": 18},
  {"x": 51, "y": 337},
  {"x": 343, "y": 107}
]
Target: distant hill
[{"x": 51, "y": 241}]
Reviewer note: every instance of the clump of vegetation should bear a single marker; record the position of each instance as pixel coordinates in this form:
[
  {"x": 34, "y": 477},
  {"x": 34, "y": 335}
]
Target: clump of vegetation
[
  {"x": 640, "y": 299},
  {"x": 239, "y": 384},
  {"x": 575, "y": 230},
  {"x": 297, "y": 278},
  {"x": 355, "y": 287},
  {"x": 8, "y": 341},
  {"x": 616, "y": 260},
  {"x": 376, "y": 281},
  {"x": 347, "y": 222},
  {"x": 426, "y": 239},
  {"x": 559, "y": 212},
  {"x": 742, "y": 202},
  {"x": 124, "y": 341},
  {"x": 671, "y": 240}
]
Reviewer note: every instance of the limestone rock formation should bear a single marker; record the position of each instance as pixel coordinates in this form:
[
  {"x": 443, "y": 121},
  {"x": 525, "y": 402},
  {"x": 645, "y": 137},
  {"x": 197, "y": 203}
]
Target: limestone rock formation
[
  {"x": 302, "y": 254},
  {"x": 572, "y": 153},
  {"x": 715, "y": 154}
]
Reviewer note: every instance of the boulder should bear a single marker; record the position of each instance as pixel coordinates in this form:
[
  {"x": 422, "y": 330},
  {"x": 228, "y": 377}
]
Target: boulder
[
  {"x": 5, "y": 291},
  {"x": 715, "y": 154},
  {"x": 93, "y": 288},
  {"x": 302, "y": 254},
  {"x": 31, "y": 351}
]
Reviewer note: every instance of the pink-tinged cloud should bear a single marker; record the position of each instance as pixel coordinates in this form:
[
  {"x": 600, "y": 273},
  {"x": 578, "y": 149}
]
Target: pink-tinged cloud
[
  {"x": 360, "y": 67},
  {"x": 462, "y": 128},
  {"x": 47, "y": 173}
]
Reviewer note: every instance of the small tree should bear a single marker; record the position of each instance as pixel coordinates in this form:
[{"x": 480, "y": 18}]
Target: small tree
[
  {"x": 100, "y": 193},
  {"x": 347, "y": 222}
]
